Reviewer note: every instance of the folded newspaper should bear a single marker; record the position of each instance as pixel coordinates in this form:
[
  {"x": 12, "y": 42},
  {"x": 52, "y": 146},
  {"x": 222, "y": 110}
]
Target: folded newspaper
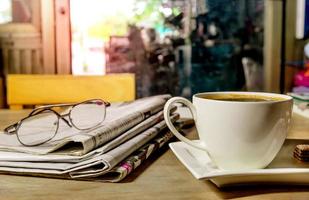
[
  {"x": 88, "y": 154},
  {"x": 127, "y": 166}
]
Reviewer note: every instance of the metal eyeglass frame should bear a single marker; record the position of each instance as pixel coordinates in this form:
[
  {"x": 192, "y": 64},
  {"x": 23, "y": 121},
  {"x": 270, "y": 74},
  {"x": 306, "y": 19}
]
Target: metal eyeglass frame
[{"x": 13, "y": 129}]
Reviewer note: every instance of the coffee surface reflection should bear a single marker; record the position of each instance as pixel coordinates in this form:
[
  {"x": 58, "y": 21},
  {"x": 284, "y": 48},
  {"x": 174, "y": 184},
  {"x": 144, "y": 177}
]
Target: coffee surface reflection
[{"x": 241, "y": 98}]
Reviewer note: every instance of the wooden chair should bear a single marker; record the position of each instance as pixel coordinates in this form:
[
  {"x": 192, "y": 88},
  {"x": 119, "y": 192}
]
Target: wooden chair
[
  {"x": 49, "y": 89},
  {"x": 21, "y": 53}
]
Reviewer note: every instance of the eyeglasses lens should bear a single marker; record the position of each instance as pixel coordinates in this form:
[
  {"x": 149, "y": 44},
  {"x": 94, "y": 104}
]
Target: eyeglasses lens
[
  {"x": 88, "y": 114},
  {"x": 38, "y": 129}
]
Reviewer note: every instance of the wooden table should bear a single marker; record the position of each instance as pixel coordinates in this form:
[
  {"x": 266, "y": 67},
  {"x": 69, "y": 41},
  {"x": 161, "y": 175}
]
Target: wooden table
[{"x": 161, "y": 177}]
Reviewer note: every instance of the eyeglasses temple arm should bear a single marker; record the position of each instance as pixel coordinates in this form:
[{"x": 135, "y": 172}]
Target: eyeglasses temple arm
[
  {"x": 50, "y": 106},
  {"x": 10, "y": 130}
]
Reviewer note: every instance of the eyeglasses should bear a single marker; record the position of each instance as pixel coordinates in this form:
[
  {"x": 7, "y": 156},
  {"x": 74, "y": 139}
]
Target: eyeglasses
[{"x": 42, "y": 124}]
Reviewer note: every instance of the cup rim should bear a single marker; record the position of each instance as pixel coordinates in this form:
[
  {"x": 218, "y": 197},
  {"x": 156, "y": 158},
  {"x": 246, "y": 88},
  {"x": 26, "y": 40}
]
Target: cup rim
[{"x": 283, "y": 96}]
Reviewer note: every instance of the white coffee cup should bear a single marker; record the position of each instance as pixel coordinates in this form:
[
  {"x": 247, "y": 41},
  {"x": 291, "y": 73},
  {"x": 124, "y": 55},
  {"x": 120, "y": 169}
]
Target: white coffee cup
[{"x": 237, "y": 134}]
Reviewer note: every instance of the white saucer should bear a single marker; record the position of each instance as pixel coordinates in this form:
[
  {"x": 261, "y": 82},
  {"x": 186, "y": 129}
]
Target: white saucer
[{"x": 284, "y": 169}]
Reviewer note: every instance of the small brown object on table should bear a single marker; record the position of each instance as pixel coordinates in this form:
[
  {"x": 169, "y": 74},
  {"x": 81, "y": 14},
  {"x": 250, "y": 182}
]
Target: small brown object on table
[{"x": 301, "y": 152}]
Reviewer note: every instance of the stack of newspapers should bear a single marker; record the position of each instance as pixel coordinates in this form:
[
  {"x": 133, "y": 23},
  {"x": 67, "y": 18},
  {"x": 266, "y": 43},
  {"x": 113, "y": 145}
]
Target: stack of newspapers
[{"x": 129, "y": 134}]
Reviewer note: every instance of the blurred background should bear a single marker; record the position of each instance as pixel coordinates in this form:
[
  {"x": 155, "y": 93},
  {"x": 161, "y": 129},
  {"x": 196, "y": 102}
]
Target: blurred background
[{"x": 172, "y": 46}]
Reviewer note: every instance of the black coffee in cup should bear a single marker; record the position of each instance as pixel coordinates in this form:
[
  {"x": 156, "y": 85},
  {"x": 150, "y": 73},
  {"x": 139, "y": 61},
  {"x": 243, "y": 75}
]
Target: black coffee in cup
[{"x": 241, "y": 97}]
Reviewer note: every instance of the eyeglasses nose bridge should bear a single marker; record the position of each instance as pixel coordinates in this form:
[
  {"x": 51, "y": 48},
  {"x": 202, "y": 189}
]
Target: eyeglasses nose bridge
[{"x": 65, "y": 120}]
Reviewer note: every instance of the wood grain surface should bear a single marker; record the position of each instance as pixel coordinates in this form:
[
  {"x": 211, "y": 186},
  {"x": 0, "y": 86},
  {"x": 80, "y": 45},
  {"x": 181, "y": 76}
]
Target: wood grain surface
[{"x": 160, "y": 177}]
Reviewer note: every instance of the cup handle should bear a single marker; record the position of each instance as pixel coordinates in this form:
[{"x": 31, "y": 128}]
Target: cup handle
[{"x": 167, "y": 109}]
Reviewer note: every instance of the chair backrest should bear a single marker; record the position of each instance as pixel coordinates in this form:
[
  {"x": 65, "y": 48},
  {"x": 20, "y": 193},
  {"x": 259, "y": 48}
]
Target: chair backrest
[
  {"x": 50, "y": 89},
  {"x": 22, "y": 53}
]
